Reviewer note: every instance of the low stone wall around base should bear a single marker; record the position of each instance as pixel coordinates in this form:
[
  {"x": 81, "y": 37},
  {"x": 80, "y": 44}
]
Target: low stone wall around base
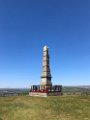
[
  {"x": 38, "y": 94},
  {"x": 45, "y": 94}
]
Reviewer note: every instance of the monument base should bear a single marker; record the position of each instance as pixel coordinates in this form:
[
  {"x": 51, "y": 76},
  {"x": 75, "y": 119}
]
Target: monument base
[
  {"x": 54, "y": 91},
  {"x": 45, "y": 94},
  {"x": 38, "y": 94}
]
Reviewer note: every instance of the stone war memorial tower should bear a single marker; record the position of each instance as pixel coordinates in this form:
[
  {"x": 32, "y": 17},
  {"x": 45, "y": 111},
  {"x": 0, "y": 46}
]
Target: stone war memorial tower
[
  {"x": 46, "y": 75},
  {"x": 45, "y": 88}
]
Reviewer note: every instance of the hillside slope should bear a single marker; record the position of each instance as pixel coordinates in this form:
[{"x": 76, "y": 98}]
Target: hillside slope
[{"x": 50, "y": 108}]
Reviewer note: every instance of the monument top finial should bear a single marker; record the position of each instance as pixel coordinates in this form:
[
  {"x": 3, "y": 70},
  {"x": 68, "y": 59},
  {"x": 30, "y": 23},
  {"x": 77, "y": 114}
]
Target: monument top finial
[{"x": 45, "y": 48}]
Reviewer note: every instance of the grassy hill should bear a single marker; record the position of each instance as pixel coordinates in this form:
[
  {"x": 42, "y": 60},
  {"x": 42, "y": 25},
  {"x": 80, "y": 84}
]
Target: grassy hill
[{"x": 50, "y": 108}]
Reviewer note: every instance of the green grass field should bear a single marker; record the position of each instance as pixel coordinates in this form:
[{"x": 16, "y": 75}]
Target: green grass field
[{"x": 50, "y": 108}]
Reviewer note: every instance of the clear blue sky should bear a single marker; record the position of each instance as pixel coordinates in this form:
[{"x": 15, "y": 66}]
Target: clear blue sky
[{"x": 27, "y": 25}]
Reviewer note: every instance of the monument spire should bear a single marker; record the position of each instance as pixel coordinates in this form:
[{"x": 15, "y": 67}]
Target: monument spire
[{"x": 46, "y": 75}]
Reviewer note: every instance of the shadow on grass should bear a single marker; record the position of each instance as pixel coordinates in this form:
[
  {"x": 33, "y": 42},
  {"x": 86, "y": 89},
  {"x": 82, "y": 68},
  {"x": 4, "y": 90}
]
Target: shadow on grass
[{"x": 1, "y": 119}]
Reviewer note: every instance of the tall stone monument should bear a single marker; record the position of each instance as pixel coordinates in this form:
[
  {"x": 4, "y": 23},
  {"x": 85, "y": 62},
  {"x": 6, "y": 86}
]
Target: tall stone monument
[
  {"x": 46, "y": 75},
  {"x": 45, "y": 88}
]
